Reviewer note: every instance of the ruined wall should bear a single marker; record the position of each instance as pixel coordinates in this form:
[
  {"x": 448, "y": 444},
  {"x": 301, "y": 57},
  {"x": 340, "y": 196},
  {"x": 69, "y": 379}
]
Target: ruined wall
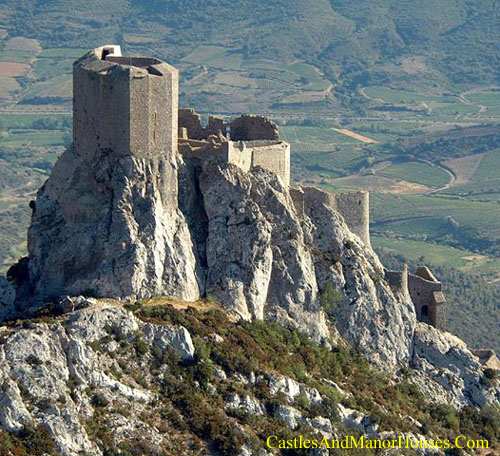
[
  {"x": 427, "y": 298},
  {"x": 239, "y": 154},
  {"x": 301, "y": 195},
  {"x": 398, "y": 279},
  {"x": 254, "y": 141},
  {"x": 353, "y": 206},
  {"x": 272, "y": 155},
  {"x": 191, "y": 121},
  {"x": 251, "y": 128}
]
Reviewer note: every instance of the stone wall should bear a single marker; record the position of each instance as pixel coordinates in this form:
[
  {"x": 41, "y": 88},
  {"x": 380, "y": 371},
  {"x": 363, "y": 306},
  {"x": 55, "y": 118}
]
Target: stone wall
[
  {"x": 239, "y": 154},
  {"x": 272, "y": 155},
  {"x": 426, "y": 294},
  {"x": 251, "y": 127},
  {"x": 125, "y": 108},
  {"x": 354, "y": 207},
  {"x": 398, "y": 279},
  {"x": 191, "y": 121}
]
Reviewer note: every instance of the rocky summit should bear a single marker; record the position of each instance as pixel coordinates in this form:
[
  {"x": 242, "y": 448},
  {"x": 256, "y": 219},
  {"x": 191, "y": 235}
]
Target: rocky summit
[{"x": 180, "y": 296}]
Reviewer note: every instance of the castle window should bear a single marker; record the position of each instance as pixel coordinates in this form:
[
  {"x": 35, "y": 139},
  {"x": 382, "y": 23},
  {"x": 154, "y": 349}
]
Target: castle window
[{"x": 424, "y": 312}]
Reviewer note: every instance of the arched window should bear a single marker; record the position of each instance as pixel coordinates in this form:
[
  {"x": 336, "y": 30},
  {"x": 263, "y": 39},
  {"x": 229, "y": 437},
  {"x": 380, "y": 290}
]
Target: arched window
[{"x": 424, "y": 312}]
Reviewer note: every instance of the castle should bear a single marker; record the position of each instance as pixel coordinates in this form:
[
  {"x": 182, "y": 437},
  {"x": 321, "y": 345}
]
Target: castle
[{"x": 126, "y": 121}]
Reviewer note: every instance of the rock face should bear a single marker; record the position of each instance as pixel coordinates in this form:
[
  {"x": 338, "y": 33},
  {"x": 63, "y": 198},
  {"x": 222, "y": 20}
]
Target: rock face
[
  {"x": 258, "y": 263},
  {"x": 452, "y": 373},
  {"x": 103, "y": 228},
  {"x": 375, "y": 317},
  {"x": 241, "y": 240},
  {"x": 265, "y": 259},
  {"x": 50, "y": 373},
  {"x": 7, "y": 298}
]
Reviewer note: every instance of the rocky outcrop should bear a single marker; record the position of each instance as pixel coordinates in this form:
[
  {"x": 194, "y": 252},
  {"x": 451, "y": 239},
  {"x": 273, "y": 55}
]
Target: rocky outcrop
[
  {"x": 59, "y": 373},
  {"x": 265, "y": 259},
  {"x": 369, "y": 313},
  {"x": 448, "y": 372},
  {"x": 103, "y": 227},
  {"x": 258, "y": 263},
  {"x": 240, "y": 239}
]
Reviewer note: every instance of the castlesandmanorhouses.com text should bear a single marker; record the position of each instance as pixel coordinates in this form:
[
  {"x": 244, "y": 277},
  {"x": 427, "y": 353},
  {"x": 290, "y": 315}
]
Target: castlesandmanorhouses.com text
[{"x": 351, "y": 442}]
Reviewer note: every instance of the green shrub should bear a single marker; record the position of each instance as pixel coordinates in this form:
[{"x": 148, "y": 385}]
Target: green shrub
[
  {"x": 141, "y": 347},
  {"x": 31, "y": 441},
  {"x": 330, "y": 298},
  {"x": 99, "y": 400}
]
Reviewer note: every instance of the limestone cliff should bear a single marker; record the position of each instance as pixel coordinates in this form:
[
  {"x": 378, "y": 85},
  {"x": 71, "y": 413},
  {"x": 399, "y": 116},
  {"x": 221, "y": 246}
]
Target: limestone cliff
[
  {"x": 154, "y": 379},
  {"x": 267, "y": 260},
  {"x": 103, "y": 228}
]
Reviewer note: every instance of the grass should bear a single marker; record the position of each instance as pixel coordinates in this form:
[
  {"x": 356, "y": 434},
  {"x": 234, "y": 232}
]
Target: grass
[
  {"x": 420, "y": 173},
  {"x": 439, "y": 255},
  {"x": 24, "y": 120},
  {"x": 439, "y": 107},
  {"x": 465, "y": 224},
  {"x": 215, "y": 57},
  {"x": 35, "y": 138},
  {"x": 489, "y": 166},
  {"x": 269, "y": 74},
  {"x": 59, "y": 85},
  {"x": 489, "y": 99},
  {"x": 485, "y": 182},
  {"x": 63, "y": 52},
  {"x": 399, "y": 96},
  {"x": 16, "y": 56},
  {"x": 314, "y": 136}
]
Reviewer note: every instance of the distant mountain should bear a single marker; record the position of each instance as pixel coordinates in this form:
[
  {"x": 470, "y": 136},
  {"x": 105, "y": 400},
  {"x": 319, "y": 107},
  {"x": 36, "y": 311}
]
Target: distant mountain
[{"x": 421, "y": 43}]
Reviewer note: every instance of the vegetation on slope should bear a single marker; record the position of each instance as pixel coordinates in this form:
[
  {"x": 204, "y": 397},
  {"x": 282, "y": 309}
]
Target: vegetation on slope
[{"x": 191, "y": 412}]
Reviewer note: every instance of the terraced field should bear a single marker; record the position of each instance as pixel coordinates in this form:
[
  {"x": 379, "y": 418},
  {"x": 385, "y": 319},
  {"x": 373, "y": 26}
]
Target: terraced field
[
  {"x": 439, "y": 255},
  {"x": 420, "y": 173},
  {"x": 484, "y": 184}
]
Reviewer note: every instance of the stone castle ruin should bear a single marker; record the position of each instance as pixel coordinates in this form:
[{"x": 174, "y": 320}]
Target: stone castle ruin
[
  {"x": 247, "y": 142},
  {"x": 427, "y": 296},
  {"x": 425, "y": 292},
  {"x": 125, "y": 212}
]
